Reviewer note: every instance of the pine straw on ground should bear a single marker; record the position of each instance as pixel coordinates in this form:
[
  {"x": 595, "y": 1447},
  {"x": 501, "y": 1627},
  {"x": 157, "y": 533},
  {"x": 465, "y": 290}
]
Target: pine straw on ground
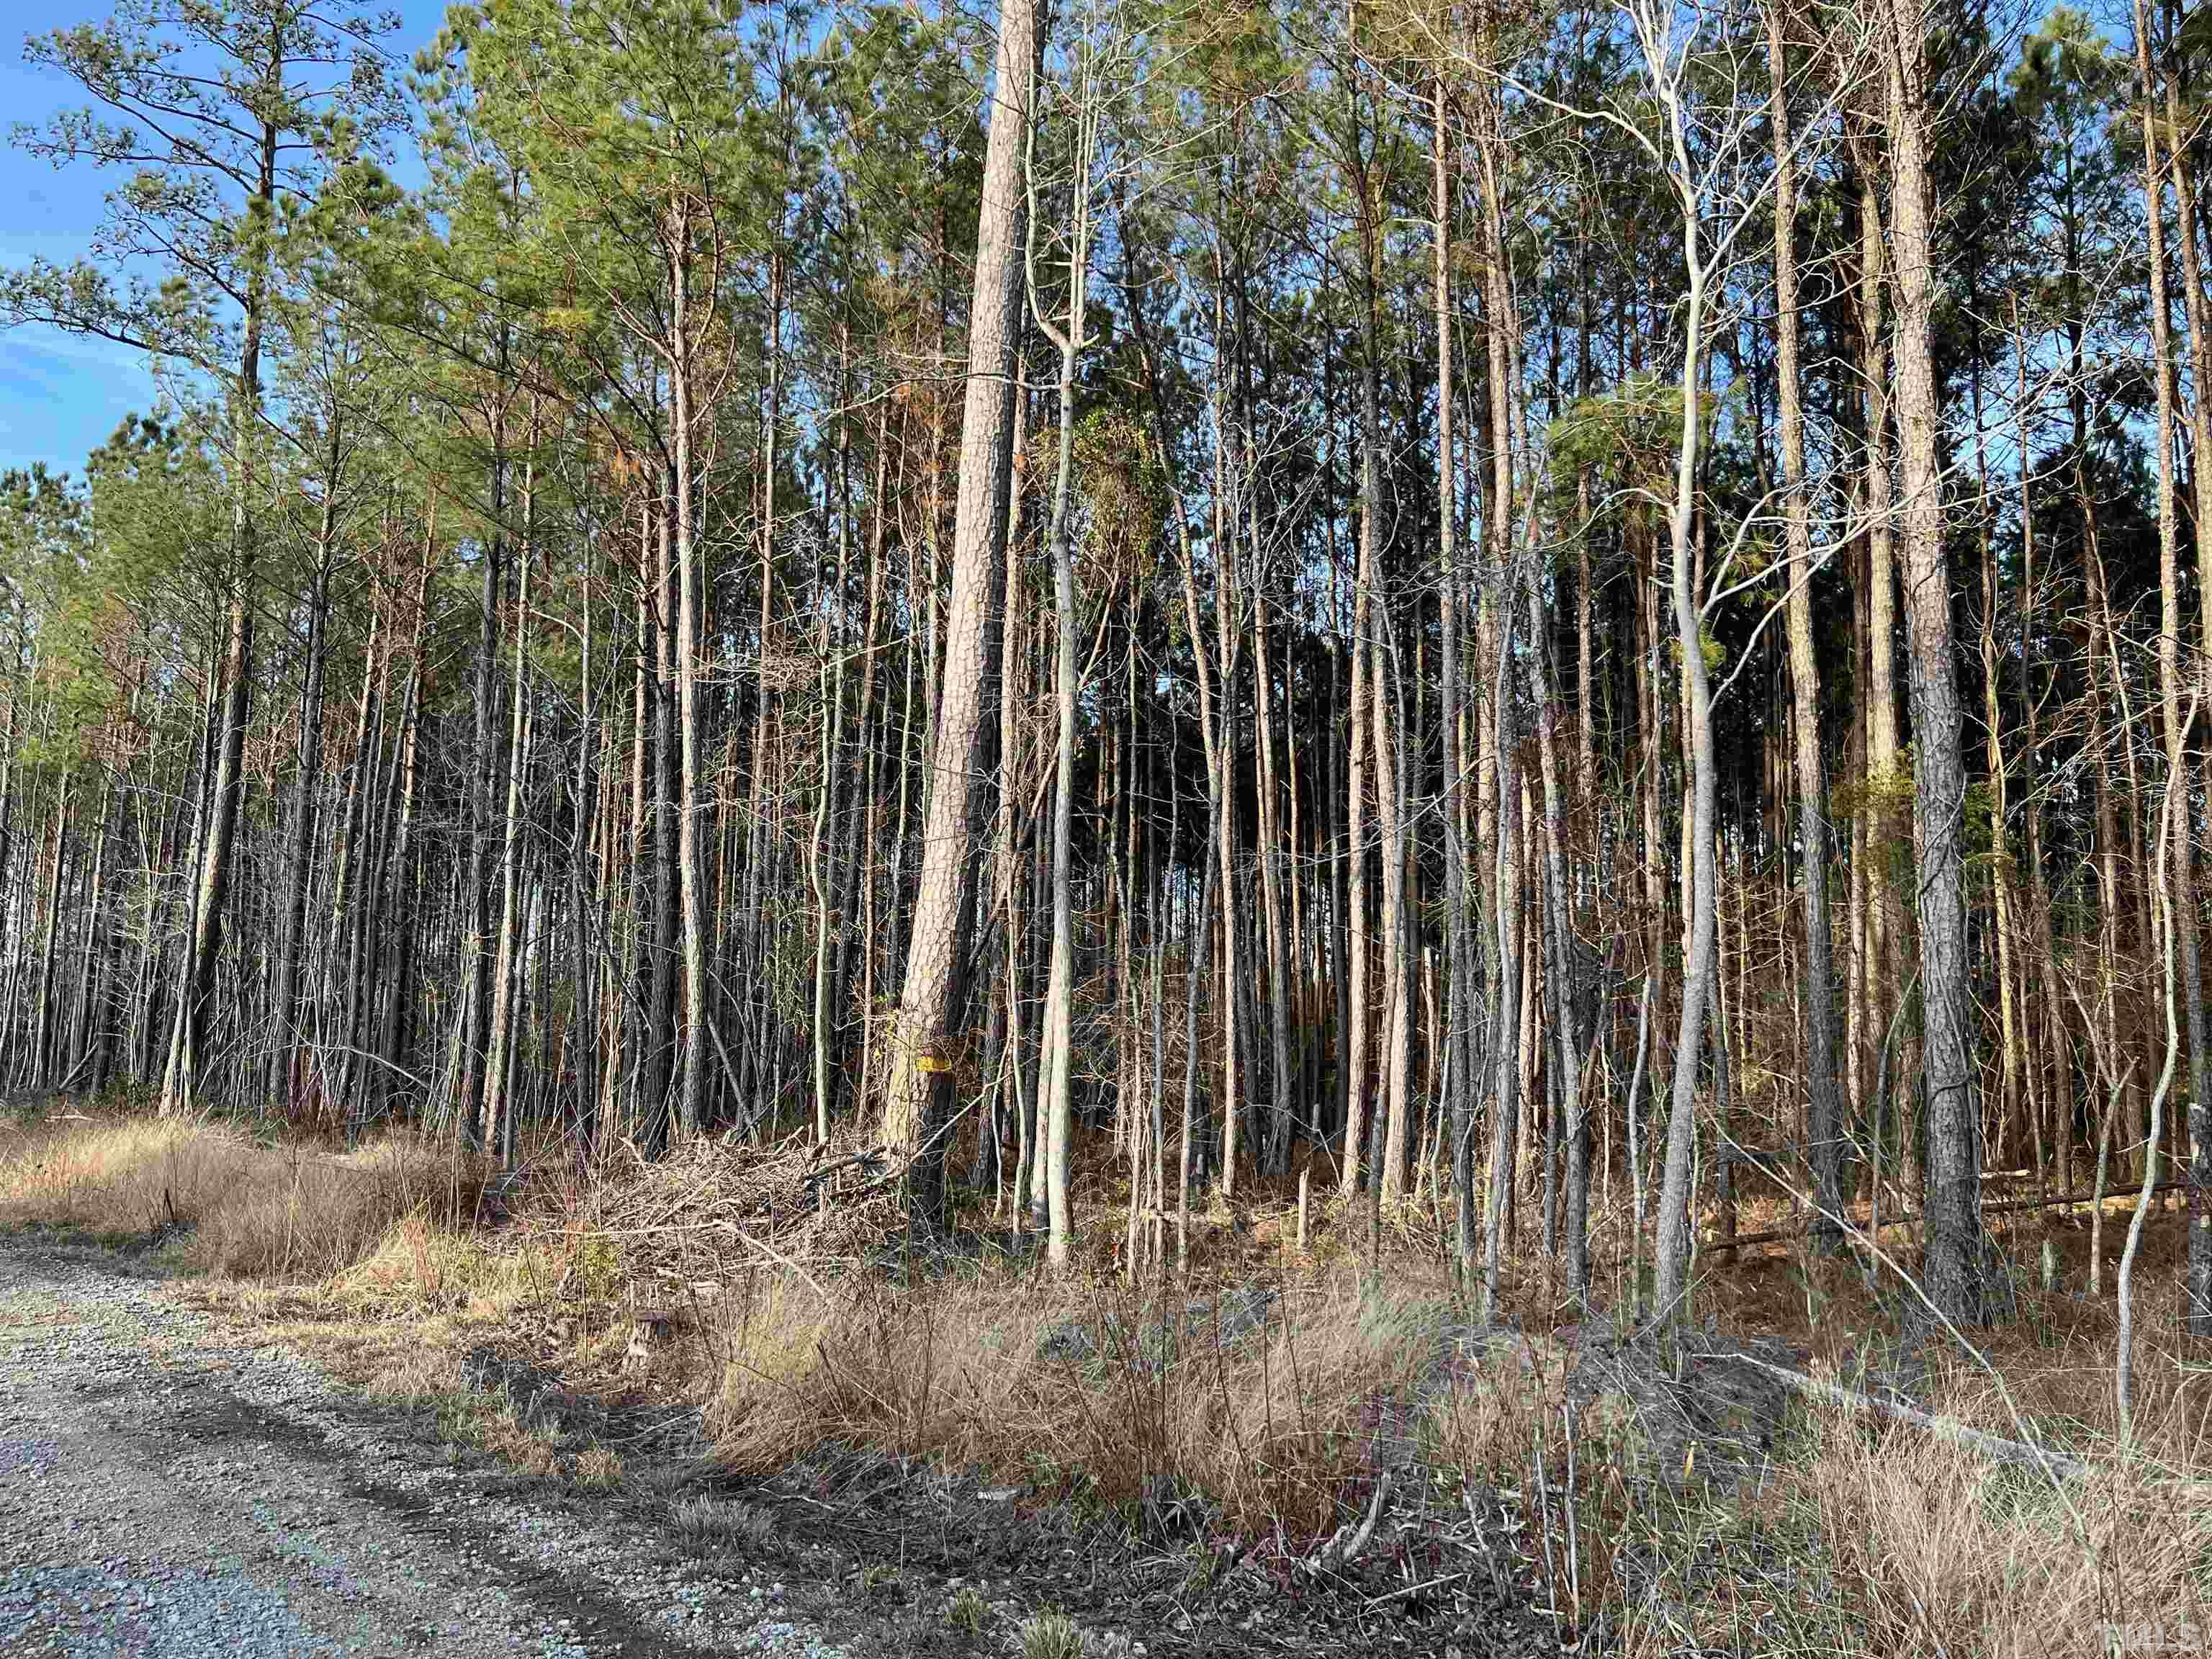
[{"x": 1260, "y": 1408}]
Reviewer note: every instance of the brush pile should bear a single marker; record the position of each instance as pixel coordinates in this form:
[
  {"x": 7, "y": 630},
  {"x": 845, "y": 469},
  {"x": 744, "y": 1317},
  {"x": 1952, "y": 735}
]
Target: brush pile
[{"x": 684, "y": 1219}]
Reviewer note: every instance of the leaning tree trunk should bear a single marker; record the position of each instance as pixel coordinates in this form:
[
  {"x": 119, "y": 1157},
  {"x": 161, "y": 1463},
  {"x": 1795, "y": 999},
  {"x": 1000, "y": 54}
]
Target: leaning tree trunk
[{"x": 934, "y": 1005}]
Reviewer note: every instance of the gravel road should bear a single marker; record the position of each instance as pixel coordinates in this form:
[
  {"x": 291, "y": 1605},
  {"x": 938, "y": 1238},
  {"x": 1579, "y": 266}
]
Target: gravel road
[{"x": 166, "y": 1490}]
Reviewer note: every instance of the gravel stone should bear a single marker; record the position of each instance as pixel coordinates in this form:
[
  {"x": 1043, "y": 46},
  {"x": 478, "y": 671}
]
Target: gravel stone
[{"x": 166, "y": 1490}]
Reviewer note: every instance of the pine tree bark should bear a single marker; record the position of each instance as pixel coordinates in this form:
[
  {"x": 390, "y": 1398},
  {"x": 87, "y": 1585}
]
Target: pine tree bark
[
  {"x": 689, "y": 1116},
  {"x": 292, "y": 940},
  {"x": 1884, "y": 940},
  {"x": 1502, "y": 840},
  {"x": 1400, "y": 983},
  {"x": 1057, "y": 1103},
  {"x": 181, "y": 1083},
  {"x": 1952, "y": 1200},
  {"x": 1458, "y": 1103},
  {"x": 495, "y": 1131},
  {"x": 489, "y": 786},
  {"x": 932, "y": 1010},
  {"x": 2198, "y": 1166}
]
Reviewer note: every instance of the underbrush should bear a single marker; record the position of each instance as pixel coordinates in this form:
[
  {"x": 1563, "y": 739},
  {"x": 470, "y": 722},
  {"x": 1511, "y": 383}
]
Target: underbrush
[
  {"x": 1335, "y": 1416},
  {"x": 1937, "y": 1551},
  {"x": 222, "y": 1203},
  {"x": 1255, "y": 1409},
  {"x": 1889, "y": 1543},
  {"x": 1862, "y": 1534}
]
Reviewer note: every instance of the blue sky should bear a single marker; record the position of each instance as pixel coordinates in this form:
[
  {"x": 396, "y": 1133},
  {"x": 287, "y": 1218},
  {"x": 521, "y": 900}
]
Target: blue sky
[{"x": 60, "y": 397}]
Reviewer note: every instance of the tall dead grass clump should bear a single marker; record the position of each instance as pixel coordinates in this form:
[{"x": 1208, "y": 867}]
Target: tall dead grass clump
[
  {"x": 1343, "y": 1386},
  {"x": 1935, "y": 1547},
  {"x": 114, "y": 1175},
  {"x": 919, "y": 1372},
  {"x": 231, "y": 1206},
  {"x": 1939, "y": 1551},
  {"x": 418, "y": 1266},
  {"x": 1265, "y": 1411}
]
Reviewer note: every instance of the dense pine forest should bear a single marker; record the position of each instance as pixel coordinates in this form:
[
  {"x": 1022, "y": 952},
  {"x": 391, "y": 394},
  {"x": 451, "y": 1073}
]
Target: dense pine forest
[{"x": 1505, "y": 612}]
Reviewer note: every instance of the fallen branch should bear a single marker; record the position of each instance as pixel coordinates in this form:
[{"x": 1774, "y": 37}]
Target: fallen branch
[
  {"x": 779, "y": 1257},
  {"x": 1345, "y": 1544},
  {"x": 872, "y": 1159},
  {"x": 2018, "y": 1452},
  {"x": 1779, "y": 1235}
]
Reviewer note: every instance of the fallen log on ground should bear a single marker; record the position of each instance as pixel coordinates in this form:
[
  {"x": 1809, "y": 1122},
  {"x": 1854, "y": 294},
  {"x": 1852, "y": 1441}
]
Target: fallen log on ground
[
  {"x": 2017, "y": 1452},
  {"x": 1719, "y": 1241}
]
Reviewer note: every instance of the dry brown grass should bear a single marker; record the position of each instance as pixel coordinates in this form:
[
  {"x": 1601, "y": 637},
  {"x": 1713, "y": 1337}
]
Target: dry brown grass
[
  {"x": 1887, "y": 1543},
  {"x": 1942, "y": 1552},
  {"x": 1087, "y": 1390},
  {"x": 1174, "y": 1401},
  {"x": 1867, "y": 1538},
  {"x": 231, "y": 1207}
]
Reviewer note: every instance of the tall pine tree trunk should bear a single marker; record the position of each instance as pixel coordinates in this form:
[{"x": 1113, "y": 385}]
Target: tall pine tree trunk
[
  {"x": 933, "y": 1005},
  {"x": 1954, "y": 1165},
  {"x": 1824, "y": 1108}
]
